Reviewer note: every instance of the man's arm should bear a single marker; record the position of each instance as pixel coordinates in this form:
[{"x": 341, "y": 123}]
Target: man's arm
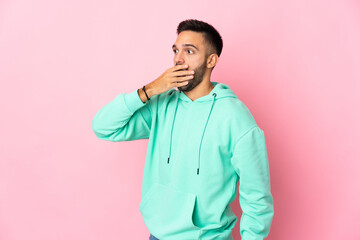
[
  {"x": 126, "y": 118},
  {"x": 250, "y": 162}
]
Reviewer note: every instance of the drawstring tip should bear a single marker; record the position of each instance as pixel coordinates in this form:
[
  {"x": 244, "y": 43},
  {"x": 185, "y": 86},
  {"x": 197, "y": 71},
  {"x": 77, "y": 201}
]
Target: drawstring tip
[
  {"x": 197, "y": 171},
  {"x": 168, "y": 159}
]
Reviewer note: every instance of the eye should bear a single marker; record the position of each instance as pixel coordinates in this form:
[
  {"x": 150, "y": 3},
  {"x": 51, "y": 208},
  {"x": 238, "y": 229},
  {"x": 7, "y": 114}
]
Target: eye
[
  {"x": 190, "y": 50},
  {"x": 174, "y": 50}
]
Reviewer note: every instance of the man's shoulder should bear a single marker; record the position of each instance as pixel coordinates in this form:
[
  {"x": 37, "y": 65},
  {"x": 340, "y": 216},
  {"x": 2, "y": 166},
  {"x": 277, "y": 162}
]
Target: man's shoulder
[
  {"x": 232, "y": 104},
  {"x": 235, "y": 110}
]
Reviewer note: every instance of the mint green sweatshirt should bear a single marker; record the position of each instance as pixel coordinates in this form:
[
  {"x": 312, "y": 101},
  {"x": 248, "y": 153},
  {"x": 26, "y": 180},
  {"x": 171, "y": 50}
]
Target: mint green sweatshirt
[{"x": 197, "y": 152}]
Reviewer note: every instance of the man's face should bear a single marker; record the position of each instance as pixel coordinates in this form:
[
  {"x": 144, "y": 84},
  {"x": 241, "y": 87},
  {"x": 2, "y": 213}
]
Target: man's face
[{"x": 190, "y": 49}]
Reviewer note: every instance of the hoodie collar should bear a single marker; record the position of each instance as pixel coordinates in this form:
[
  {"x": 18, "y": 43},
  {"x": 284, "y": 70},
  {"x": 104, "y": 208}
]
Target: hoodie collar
[
  {"x": 205, "y": 98},
  {"x": 219, "y": 91}
]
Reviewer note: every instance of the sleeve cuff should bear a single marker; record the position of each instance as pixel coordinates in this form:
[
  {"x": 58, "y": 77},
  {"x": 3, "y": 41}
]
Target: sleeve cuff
[{"x": 133, "y": 101}]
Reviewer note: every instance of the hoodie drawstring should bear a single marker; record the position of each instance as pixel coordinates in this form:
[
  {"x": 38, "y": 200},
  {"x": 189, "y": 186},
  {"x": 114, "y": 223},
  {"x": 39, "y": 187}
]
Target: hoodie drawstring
[
  {"x": 212, "y": 104},
  {"x": 172, "y": 127}
]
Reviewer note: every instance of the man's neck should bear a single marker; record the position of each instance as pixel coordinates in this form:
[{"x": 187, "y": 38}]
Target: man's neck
[{"x": 203, "y": 89}]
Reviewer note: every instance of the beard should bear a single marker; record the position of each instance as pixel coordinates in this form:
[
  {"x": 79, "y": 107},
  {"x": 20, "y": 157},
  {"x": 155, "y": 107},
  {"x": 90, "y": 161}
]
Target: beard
[{"x": 196, "y": 80}]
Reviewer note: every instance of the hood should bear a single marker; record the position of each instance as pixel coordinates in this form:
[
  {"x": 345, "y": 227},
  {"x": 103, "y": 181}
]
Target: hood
[{"x": 219, "y": 91}]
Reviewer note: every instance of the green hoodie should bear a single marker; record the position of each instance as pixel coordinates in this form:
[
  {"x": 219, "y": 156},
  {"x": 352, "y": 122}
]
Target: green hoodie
[{"x": 197, "y": 152}]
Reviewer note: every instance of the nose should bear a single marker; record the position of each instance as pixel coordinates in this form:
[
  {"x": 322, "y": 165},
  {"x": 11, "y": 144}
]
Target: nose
[{"x": 178, "y": 58}]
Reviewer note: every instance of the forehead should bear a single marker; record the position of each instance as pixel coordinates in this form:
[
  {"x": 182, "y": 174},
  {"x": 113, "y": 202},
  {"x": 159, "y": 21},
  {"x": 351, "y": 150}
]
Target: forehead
[{"x": 190, "y": 37}]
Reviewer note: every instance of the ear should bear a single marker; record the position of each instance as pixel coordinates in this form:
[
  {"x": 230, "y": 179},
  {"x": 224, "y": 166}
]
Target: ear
[{"x": 212, "y": 60}]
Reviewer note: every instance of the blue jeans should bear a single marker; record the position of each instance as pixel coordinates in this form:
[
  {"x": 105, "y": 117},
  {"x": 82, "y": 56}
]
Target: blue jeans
[{"x": 152, "y": 237}]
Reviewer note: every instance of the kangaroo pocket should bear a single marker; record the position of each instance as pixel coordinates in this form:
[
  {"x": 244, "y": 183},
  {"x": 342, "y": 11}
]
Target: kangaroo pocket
[{"x": 168, "y": 212}]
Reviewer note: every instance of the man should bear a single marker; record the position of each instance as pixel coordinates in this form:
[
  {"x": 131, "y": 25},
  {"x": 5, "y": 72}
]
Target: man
[{"x": 202, "y": 141}]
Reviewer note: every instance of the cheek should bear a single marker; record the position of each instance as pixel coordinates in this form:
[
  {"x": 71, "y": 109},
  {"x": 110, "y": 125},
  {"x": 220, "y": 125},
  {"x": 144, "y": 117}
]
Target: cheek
[{"x": 196, "y": 62}]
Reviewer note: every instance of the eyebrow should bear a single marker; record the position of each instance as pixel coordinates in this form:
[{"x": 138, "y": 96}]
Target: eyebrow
[{"x": 187, "y": 45}]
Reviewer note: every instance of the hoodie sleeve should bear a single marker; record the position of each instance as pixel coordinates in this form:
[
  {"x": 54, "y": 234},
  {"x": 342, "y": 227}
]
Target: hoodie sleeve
[
  {"x": 250, "y": 162},
  {"x": 126, "y": 118}
]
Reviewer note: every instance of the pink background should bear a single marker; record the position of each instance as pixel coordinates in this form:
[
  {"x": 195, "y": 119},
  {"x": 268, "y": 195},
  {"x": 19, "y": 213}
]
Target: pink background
[{"x": 295, "y": 64}]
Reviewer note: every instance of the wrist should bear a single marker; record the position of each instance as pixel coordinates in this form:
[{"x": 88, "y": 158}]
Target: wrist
[
  {"x": 142, "y": 95},
  {"x": 149, "y": 90},
  {"x": 145, "y": 96}
]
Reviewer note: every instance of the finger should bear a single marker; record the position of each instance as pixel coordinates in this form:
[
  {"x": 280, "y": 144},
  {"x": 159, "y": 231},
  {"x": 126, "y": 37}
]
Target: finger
[
  {"x": 184, "y": 83},
  {"x": 180, "y": 67},
  {"x": 183, "y": 73},
  {"x": 180, "y": 84},
  {"x": 186, "y": 78}
]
